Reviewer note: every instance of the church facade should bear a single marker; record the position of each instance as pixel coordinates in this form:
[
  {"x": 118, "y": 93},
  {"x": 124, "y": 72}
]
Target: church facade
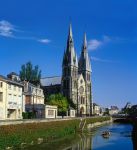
[
  {"x": 76, "y": 76},
  {"x": 75, "y": 82}
]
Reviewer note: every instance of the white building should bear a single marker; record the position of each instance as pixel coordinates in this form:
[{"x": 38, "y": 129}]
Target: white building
[
  {"x": 96, "y": 109},
  {"x": 51, "y": 111},
  {"x": 34, "y": 99},
  {"x": 11, "y": 99},
  {"x": 113, "y": 110}
]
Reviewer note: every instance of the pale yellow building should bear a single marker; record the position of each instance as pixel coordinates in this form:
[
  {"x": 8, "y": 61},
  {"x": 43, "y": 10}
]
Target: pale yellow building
[
  {"x": 96, "y": 109},
  {"x": 11, "y": 99}
]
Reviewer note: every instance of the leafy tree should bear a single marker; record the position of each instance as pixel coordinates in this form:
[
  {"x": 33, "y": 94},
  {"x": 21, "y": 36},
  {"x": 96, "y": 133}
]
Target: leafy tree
[
  {"x": 30, "y": 73},
  {"x": 71, "y": 103},
  {"x": 106, "y": 112},
  {"x": 60, "y": 101}
]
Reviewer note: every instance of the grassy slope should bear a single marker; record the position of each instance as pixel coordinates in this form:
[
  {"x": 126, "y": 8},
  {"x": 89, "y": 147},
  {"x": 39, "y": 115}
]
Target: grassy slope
[{"x": 14, "y": 135}]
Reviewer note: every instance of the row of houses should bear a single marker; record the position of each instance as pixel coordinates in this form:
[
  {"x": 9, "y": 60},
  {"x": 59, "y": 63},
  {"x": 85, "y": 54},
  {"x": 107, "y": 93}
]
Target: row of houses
[
  {"x": 17, "y": 97},
  {"x": 98, "y": 110}
]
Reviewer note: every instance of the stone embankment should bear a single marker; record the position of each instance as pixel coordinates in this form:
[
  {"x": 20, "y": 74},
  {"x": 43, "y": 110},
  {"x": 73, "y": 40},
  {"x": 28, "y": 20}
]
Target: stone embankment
[
  {"x": 91, "y": 126},
  {"x": 27, "y": 121}
]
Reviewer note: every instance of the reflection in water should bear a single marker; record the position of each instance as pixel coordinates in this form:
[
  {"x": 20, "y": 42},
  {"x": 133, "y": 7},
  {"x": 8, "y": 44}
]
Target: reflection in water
[
  {"x": 77, "y": 142},
  {"x": 120, "y": 139},
  {"x": 134, "y": 137}
]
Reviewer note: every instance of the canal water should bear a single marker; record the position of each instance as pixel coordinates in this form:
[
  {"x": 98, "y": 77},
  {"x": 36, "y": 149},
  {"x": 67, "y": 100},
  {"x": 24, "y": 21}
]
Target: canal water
[{"x": 120, "y": 139}]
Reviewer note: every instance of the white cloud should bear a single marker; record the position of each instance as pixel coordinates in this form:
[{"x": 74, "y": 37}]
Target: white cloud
[
  {"x": 102, "y": 60},
  {"x": 6, "y": 28},
  {"x": 94, "y": 44},
  {"x": 45, "y": 41}
]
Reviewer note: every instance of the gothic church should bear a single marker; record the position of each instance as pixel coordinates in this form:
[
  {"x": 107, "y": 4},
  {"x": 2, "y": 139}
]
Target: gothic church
[{"x": 75, "y": 82}]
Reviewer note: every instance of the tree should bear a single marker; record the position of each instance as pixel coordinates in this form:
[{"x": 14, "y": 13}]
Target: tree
[
  {"x": 106, "y": 112},
  {"x": 30, "y": 73},
  {"x": 60, "y": 101}
]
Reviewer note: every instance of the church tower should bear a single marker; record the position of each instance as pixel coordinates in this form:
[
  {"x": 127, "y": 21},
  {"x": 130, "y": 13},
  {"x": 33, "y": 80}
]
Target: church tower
[
  {"x": 84, "y": 68},
  {"x": 70, "y": 70}
]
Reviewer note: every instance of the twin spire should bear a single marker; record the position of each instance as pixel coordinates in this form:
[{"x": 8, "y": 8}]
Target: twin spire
[
  {"x": 70, "y": 31},
  {"x": 70, "y": 37},
  {"x": 85, "y": 42},
  {"x": 70, "y": 56}
]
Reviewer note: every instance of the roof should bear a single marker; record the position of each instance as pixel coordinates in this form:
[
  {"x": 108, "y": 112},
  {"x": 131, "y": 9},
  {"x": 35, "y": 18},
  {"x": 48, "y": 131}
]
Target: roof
[
  {"x": 94, "y": 104},
  {"x": 13, "y": 73},
  {"x": 10, "y": 81},
  {"x": 48, "y": 81},
  {"x": 114, "y": 108}
]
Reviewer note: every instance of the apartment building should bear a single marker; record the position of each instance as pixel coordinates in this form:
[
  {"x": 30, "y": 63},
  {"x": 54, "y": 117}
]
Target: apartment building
[
  {"x": 34, "y": 99},
  {"x": 11, "y": 98}
]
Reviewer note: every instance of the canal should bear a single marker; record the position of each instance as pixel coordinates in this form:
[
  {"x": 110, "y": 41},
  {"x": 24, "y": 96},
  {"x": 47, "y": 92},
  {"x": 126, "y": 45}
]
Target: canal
[{"x": 120, "y": 139}]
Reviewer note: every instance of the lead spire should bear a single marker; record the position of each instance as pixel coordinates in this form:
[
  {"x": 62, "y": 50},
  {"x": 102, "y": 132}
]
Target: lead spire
[
  {"x": 70, "y": 30},
  {"x": 70, "y": 36},
  {"x": 85, "y": 41},
  {"x": 70, "y": 50},
  {"x": 84, "y": 48},
  {"x": 84, "y": 61}
]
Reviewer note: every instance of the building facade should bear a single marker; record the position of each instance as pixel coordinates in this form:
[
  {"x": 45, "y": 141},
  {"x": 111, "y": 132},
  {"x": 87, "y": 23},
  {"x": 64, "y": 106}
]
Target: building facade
[
  {"x": 11, "y": 98},
  {"x": 75, "y": 82},
  {"x": 76, "y": 76},
  {"x": 114, "y": 110},
  {"x": 34, "y": 99}
]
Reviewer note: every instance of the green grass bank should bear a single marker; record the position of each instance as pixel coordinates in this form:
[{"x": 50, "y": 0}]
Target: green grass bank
[{"x": 17, "y": 136}]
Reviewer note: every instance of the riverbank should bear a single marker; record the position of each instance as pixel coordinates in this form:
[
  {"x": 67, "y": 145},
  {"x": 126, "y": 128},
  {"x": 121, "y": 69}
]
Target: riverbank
[
  {"x": 20, "y": 135},
  {"x": 91, "y": 126}
]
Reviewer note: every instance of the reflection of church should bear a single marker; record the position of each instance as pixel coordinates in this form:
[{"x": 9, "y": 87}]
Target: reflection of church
[{"x": 75, "y": 82}]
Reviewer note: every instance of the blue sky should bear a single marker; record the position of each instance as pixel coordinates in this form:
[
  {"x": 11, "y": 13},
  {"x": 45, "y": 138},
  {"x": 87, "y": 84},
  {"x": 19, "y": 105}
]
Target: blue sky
[{"x": 37, "y": 31}]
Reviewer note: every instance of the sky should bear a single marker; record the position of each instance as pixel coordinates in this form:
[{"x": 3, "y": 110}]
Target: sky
[{"x": 37, "y": 31}]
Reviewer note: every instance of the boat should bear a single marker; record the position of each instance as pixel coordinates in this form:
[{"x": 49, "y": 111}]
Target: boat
[{"x": 106, "y": 134}]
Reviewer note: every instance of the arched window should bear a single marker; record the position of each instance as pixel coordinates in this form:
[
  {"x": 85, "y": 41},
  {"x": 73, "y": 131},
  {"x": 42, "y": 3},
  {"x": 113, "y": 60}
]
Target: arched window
[
  {"x": 81, "y": 99},
  {"x": 75, "y": 84}
]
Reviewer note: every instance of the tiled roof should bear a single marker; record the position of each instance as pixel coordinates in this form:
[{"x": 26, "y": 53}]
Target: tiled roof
[
  {"x": 13, "y": 73},
  {"x": 10, "y": 81},
  {"x": 48, "y": 81},
  {"x": 114, "y": 108}
]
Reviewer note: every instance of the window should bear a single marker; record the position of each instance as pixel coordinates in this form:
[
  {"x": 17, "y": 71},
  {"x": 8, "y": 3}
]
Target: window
[
  {"x": 1, "y": 84},
  {"x": 1, "y": 96},
  {"x": 19, "y": 89},
  {"x": 9, "y": 86},
  {"x": 82, "y": 100},
  {"x": 50, "y": 112},
  {"x": 14, "y": 88},
  {"x": 32, "y": 89},
  {"x": 9, "y": 97},
  {"x": 15, "y": 97},
  {"x": 75, "y": 84}
]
